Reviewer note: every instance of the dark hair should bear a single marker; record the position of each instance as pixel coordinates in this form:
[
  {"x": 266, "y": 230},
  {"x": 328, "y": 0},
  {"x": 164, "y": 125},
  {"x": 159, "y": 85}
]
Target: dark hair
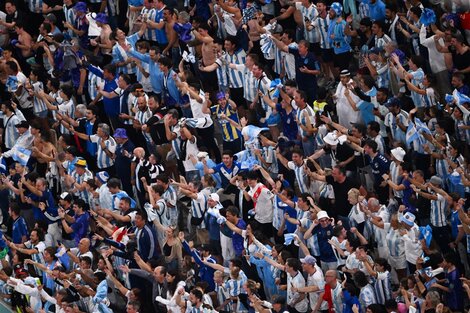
[
  {"x": 302, "y": 94},
  {"x": 375, "y": 126},
  {"x": 369, "y": 81},
  {"x": 197, "y": 293},
  {"x": 126, "y": 200},
  {"x": 174, "y": 113},
  {"x": 93, "y": 109},
  {"x": 158, "y": 189},
  {"x": 416, "y": 11},
  {"x": 165, "y": 61},
  {"x": 39, "y": 232},
  {"x": 80, "y": 203},
  {"x": 233, "y": 210},
  {"x": 114, "y": 183},
  {"x": 204, "y": 26},
  {"x": 126, "y": 78},
  {"x": 391, "y": 304},
  {"x": 163, "y": 178},
  {"x": 233, "y": 40},
  {"x": 228, "y": 152},
  {"x": 379, "y": 24},
  {"x": 384, "y": 263},
  {"x": 67, "y": 90},
  {"x": 15, "y": 207},
  {"x": 111, "y": 68},
  {"x": 372, "y": 144},
  {"x": 366, "y": 21},
  {"x": 392, "y": 7},
  {"x": 418, "y": 60},
  {"x": 294, "y": 263},
  {"x": 85, "y": 259},
  {"x": 12, "y": 66},
  {"x": 360, "y": 279},
  {"x": 51, "y": 251},
  {"x": 143, "y": 215}
]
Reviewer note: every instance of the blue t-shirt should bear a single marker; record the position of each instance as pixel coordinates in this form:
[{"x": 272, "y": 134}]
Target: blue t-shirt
[
  {"x": 289, "y": 126},
  {"x": 377, "y": 11},
  {"x": 80, "y": 227},
  {"x": 454, "y": 224},
  {"x": 19, "y": 230},
  {"x": 305, "y": 80},
  {"x": 367, "y": 111},
  {"x": 380, "y": 165},
  {"x": 48, "y": 199}
]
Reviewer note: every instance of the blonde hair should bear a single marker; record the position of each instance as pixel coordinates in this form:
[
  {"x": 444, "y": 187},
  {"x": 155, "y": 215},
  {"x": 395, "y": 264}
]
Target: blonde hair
[{"x": 252, "y": 285}]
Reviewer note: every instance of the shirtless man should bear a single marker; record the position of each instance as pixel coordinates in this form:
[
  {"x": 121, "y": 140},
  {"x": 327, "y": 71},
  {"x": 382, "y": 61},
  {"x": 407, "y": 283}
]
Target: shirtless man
[
  {"x": 44, "y": 152},
  {"x": 209, "y": 55},
  {"x": 24, "y": 41},
  {"x": 173, "y": 47},
  {"x": 103, "y": 42}
]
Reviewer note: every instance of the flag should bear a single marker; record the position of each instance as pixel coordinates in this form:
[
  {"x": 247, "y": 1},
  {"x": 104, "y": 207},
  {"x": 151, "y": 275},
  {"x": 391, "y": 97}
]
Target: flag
[
  {"x": 411, "y": 134},
  {"x": 422, "y": 127},
  {"x": 21, "y": 155},
  {"x": 460, "y": 98},
  {"x": 274, "y": 87},
  {"x": 266, "y": 43},
  {"x": 288, "y": 238},
  {"x": 426, "y": 234}
]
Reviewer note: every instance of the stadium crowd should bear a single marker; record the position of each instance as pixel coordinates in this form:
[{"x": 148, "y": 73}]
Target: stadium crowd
[{"x": 235, "y": 156}]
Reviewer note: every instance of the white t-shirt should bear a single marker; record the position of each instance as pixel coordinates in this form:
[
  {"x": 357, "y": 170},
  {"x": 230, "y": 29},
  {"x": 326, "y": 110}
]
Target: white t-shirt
[
  {"x": 263, "y": 200},
  {"x": 318, "y": 280},
  {"x": 297, "y": 281}
]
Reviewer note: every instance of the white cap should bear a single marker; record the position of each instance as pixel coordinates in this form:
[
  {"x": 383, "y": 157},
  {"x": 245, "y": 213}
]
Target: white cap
[
  {"x": 322, "y": 214},
  {"x": 331, "y": 139},
  {"x": 398, "y": 153},
  {"x": 202, "y": 154},
  {"x": 214, "y": 197}
]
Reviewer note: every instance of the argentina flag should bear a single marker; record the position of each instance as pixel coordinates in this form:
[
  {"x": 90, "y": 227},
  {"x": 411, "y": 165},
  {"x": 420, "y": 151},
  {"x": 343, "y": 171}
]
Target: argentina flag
[
  {"x": 21, "y": 155},
  {"x": 411, "y": 134}
]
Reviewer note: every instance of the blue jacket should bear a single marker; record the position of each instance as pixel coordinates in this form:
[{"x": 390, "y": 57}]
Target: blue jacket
[{"x": 206, "y": 273}]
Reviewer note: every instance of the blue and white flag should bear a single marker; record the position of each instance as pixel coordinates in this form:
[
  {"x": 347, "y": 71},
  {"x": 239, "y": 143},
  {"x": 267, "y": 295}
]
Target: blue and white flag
[
  {"x": 426, "y": 234},
  {"x": 266, "y": 43},
  {"x": 411, "y": 134},
  {"x": 422, "y": 127},
  {"x": 21, "y": 155},
  {"x": 288, "y": 238},
  {"x": 274, "y": 88}
]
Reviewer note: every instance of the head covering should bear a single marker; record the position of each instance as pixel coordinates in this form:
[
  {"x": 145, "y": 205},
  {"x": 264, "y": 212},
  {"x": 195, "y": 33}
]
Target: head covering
[
  {"x": 309, "y": 260},
  {"x": 81, "y": 162},
  {"x": 103, "y": 176},
  {"x": 337, "y": 7},
  {"x": 72, "y": 150},
  {"x": 322, "y": 214},
  {"x": 331, "y": 139},
  {"x": 214, "y": 197},
  {"x": 80, "y": 7},
  {"x": 22, "y": 124},
  {"x": 65, "y": 196},
  {"x": 394, "y": 101},
  {"x": 345, "y": 73},
  {"x": 436, "y": 180},
  {"x": 101, "y": 18},
  {"x": 220, "y": 95},
  {"x": 252, "y": 132},
  {"x": 202, "y": 155},
  {"x": 398, "y": 153},
  {"x": 408, "y": 219},
  {"x": 120, "y": 133},
  {"x": 205, "y": 247}
]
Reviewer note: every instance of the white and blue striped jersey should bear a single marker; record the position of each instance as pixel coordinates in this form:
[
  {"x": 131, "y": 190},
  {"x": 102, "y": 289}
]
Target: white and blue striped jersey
[
  {"x": 70, "y": 17},
  {"x": 263, "y": 85},
  {"x": 269, "y": 155},
  {"x": 120, "y": 55},
  {"x": 310, "y": 14},
  {"x": 93, "y": 82},
  {"x": 438, "y": 211},
  {"x": 10, "y": 134},
  {"x": 79, "y": 179},
  {"x": 288, "y": 62},
  {"x": 417, "y": 80},
  {"x": 102, "y": 159},
  {"x": 222, "y": 296},
  {"x": 38, "y": 104},
  {"x": 235, "y": 76},
  {"x": 312, "y": 242},
  {"x": 66, "y": 108},
  {"x": 142, "y": 117},
  {"x": 112, "y": 7},
  {"x": 37, "y": 257},
  {"x": 395, "y": 242},
  {"x": 198, "y": 207},
  {"x": 301, "y": 115},
  {"x": 367, "y": 296},
  {"x": 278, "y": 213},
  {"x": 222, "y": 73},
  {"x": 397, "y": 133},
  {"x": 322, "y": 25},
  {"x": 150, "y": 33},
  {"x": 429, "y": 99},
  {"x": 170, "y": 195},
  {"x": 35, "y": 6},
  {"x": 396, "y": 178},
  {"x": 383, "y": 287},
  {"x": 277, "y": 60},
  {"x": 249, "y": 84},
  {"x": 300, "y": 175}
]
